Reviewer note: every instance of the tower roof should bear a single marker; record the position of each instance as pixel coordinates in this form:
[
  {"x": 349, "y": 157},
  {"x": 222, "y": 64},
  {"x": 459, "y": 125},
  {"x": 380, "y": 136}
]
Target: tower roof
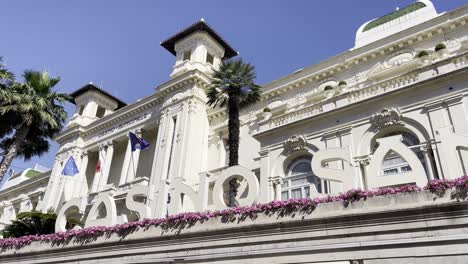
[
  {"x": 92, "y": 87},
  {"x": 201, "y": 25}
]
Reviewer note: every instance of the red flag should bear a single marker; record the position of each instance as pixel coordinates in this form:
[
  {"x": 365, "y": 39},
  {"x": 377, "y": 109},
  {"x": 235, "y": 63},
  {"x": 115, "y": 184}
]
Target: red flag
[{"x": 98, "y": 166}]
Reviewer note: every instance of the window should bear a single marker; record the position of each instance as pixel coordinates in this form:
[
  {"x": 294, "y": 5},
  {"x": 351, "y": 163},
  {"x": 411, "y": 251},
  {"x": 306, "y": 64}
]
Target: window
[
  {"x": 300, "y": 179},
  {"x": 187, "y": 55},
  {"x": 80, "y": 111},
  {"x": 100, "y": 111},
  {"x": 209, "y": 58},
  {"x": 393, "y": 163}
]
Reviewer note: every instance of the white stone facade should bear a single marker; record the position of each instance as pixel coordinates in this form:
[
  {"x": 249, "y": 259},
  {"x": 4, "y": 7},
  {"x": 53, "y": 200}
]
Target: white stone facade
[{"x": 374, "y": 116}]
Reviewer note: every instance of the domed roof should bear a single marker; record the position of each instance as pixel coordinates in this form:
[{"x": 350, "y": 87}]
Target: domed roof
[{"x": 395, "y": 21}]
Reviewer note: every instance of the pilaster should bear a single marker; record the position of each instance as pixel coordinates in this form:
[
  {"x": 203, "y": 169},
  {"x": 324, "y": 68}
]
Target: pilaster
[{"x": 109, "y": 152}]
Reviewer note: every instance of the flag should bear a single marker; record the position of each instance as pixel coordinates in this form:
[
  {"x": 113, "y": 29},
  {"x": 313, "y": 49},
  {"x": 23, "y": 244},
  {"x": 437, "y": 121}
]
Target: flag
[
  {"x": 70, "y": 168},
  {"x": 98, "y": 166},
  {"x": 138, "y": 142}
]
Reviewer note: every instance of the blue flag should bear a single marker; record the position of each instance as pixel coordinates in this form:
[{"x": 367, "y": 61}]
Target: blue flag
[
  {"x": 70, "y": 168},
  {"x": 138, "y": 142}
]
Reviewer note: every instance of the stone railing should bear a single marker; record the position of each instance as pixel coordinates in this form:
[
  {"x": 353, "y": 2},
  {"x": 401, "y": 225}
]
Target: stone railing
[
  {"x": 360, "y": 94},
  {"x": 349, "y": 221}
]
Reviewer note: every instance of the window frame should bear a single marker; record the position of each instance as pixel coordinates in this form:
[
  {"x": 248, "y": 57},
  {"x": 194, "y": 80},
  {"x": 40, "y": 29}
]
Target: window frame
[
  {"x": 313, "y": 183},
  {"x": 208, "y": 55},
  {"x": 184, "y": 55}
]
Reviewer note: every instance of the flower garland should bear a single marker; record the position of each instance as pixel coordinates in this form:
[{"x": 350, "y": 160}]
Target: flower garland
[{"x": 438, "y": 187}]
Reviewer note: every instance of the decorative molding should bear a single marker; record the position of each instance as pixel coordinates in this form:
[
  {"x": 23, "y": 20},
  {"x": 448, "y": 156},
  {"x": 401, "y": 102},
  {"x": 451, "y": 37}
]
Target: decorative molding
[
  {"x": 386, "y": 117},
  {"x": 276, "y": 180},
  {"x": 295, "y": 143}
]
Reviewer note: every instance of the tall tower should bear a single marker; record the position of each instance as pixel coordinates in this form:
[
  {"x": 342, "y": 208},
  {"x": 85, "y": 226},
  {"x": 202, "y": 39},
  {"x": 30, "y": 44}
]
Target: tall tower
[{"x": 183, "y": 128}]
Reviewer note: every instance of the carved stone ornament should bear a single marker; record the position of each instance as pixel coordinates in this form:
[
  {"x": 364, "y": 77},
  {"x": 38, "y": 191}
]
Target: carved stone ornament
[
  {"x": 386, "y": 117},
  {"x": 277, "y": 180},
  {"x": 295, "y": 143}
]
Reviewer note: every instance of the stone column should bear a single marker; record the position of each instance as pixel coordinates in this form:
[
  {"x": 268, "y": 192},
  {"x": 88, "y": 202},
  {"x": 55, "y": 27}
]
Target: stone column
[
  {"x": 130, "y": 165},
  {"x": 126, "y": 163},
  {"x": 430, "y": 172},
  {"x": 162, "y": 151},
  {"x": 98, "y": 175},
  {"x": 106, "y": 166},
  {"x": 363, "y": 162},
  {"x": 266, "y": 187},
  {"x": 83, "y": 188},
  {"x": 276, "y": 185},
  {"x": 53, "y": 185},
  {"x": 438, "y": 116},
  {"x": 134, "y": 158}
]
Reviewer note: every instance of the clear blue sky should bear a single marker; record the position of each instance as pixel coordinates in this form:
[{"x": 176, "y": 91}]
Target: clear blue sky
[{"x": 116, "y": 43}]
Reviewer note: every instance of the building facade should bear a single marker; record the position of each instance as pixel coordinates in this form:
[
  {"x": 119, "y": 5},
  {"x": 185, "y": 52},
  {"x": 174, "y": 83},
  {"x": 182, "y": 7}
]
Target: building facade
[{"x": 390, "y": 111}]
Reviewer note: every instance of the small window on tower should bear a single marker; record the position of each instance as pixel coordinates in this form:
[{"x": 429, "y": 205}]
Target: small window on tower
[
  {"x": 187, "y": 55},
  {"x": 80, "y": 112},
  {"x": 209, "y": 58},
  {"x": 100, "y": 111}
]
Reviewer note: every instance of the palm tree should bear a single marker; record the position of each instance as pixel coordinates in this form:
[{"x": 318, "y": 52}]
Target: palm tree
[
  {"x": 36, "y": 114},
  {"x": 234, "y": 84},
  {"x": 7, "y": 78},
  {"x": 31, "y": 223}
]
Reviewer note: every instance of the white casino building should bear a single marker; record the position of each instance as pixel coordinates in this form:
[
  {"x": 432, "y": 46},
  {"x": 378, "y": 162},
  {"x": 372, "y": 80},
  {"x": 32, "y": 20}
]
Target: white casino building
[{"x": 376, "y": 115}]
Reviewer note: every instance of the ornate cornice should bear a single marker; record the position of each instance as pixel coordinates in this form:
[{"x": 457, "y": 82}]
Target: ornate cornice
[
  {"x": 406, "y": 81},
  {"x": 26, "y": 186},
  {"x": 378, "y": 49},
  {"x": 152, "y": 101}
]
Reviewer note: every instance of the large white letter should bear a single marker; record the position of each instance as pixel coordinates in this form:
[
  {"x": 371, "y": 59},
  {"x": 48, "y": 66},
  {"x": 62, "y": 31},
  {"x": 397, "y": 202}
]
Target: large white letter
[
  {"x": 143, "y": 210},
  {"x": 78, "y": 204},
  {"x": 374, "y": 176},
  {"x": 106, "y": 200},
  {"x": 250, "y": 180},
  {"x": 345, "y": 176}
]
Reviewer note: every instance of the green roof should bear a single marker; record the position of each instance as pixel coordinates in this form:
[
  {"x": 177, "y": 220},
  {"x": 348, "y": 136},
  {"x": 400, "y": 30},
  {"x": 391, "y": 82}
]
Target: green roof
[
  {"x": 32, "y": 173},
  {"x": 394, "y": 15}
]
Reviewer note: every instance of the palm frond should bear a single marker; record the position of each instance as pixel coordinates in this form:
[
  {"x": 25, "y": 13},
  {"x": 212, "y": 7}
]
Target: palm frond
[{"x": 231, "y": 77}]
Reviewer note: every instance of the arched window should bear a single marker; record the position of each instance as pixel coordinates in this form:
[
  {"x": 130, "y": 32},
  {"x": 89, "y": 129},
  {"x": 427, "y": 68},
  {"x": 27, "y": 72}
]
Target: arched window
[
  {"x": 393, "y": 163},
  {"x": 299, "y": 179}
]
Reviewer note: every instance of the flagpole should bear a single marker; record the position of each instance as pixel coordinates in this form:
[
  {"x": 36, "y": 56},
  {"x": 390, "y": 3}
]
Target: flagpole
[{"x": 133, "y": 166}]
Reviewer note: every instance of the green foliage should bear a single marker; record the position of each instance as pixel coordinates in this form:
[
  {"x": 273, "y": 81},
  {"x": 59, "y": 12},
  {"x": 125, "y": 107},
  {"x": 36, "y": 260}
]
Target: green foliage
[
  {"x": 233, "y": 85},
  {"x": 230, "y": 79},
  {"x": 328, "y": 87},
  {"x": 6, "y": 80},
  {"x": 394, "y": 15},
  {"x": 31, "y": 223},
  {"x": 32, "y": 104},
  {"x": 342, "y": 83},
  {"x": 440, "y": 46},
  {"x": 267, "y": 110},
  {"x": 423, "y": 53}
]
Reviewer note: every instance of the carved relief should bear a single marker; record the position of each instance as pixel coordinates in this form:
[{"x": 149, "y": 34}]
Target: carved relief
[
  {"x": 386, "y": 117},
  {"x": 398, "y": 58},
  {"x": 192, "y": 106},
  {"x": 294, "y": 143}
]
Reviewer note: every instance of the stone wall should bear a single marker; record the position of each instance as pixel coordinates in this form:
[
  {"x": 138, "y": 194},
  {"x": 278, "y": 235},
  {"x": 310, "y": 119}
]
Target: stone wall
[{"x": 405, "y": 228}]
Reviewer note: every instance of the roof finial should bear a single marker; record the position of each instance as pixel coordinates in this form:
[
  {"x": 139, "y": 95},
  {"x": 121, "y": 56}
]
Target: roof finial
[
  {"x": 397, "y": 8},
  {"x": 202, "y": 19},
  {"x": 90, "y": 82}
]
